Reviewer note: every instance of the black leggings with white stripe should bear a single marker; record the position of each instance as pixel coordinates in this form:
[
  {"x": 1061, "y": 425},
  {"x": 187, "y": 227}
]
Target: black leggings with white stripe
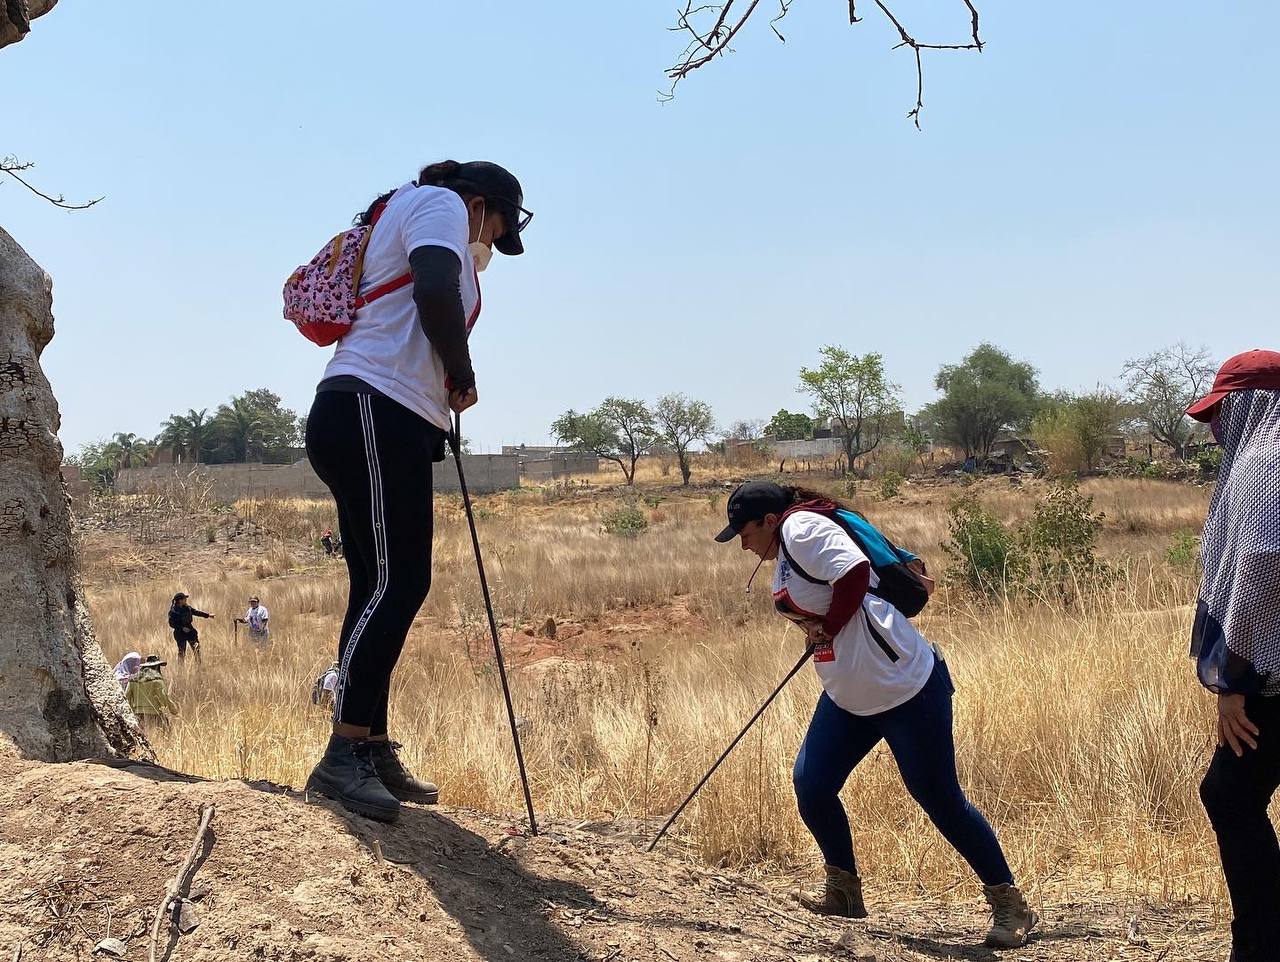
[{"x": 376, "y": 457}]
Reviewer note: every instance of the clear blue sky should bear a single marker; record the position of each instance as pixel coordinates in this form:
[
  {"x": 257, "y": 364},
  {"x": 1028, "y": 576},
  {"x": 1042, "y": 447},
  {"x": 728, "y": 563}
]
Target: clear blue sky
[{"x": 1099, "y": 182}]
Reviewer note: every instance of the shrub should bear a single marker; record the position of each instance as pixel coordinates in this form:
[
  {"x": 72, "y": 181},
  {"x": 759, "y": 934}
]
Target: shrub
[
  {"x": 1184, "y": 550},
  {"x": 1209, "y": 461},
  {"x": 1052, "y": 552},
  {"x": 1059, "y": 539},
  {"x": 984, "y": 550},
  {"x": 627, "y": 521},
  {"x": 890, "y": 482}
]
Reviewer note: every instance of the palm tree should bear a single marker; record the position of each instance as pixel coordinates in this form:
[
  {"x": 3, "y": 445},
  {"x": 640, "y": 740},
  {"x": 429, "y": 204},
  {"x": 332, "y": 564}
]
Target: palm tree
[
  {"x": 240, "y": 428},
  {"x": 134, "y": 452},
  {"x": 187, "y": 434}
]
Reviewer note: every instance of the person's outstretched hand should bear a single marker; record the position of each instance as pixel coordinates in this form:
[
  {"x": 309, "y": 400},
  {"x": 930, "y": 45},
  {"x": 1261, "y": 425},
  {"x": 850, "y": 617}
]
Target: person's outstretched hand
[
  {"x": 1235, "y": 731},
  {"x": 459, "y": 401}
]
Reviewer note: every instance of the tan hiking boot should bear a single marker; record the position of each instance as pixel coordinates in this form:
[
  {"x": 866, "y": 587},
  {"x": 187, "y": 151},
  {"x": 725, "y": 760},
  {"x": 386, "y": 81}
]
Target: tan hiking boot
[
  {"x": 842, "y": 895},
  {"x": 1011, "y": 919}
]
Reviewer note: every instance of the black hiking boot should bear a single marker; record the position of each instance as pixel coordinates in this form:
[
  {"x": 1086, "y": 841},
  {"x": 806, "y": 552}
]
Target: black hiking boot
[
  {"x": 347, "y": 774},
  {"x": 399, "y": 781}
]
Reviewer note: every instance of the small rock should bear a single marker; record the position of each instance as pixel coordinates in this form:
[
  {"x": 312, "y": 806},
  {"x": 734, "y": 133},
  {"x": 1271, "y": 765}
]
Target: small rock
[
  {"x": 855, "y": 945},
  {"x": 201, "y": 891},
  {"x": 111, "y": 947},
  {"x": 186, "y": 917}
]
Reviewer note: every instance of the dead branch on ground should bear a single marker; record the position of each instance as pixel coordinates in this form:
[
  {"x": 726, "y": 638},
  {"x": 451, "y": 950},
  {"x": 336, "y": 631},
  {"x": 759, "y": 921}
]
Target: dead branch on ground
[
  {"x": 710, "y": 42},
  {"x": 180, "y": 884}
]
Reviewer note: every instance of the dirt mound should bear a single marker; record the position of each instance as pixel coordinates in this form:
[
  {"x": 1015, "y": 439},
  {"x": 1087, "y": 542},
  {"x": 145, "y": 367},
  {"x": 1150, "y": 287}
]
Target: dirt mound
[{"x": 86, "y": 849}]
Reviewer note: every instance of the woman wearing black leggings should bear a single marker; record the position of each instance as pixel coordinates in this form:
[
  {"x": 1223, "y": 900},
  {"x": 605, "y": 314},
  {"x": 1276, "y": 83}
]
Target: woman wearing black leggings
[{"x": 379, "y": 423}]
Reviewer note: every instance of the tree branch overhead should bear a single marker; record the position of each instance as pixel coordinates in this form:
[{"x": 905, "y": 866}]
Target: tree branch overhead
[{"x": 716, "y": 40}]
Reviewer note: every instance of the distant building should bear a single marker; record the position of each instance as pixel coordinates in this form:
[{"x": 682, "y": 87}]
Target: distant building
[
  {"x": 895, "y": 422},
  {"x": 537, "y": 450}
]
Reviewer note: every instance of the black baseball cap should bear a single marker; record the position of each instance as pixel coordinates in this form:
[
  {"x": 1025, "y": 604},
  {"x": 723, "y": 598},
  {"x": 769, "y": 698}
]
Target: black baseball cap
[
  {"x": 498, "y": 186},
  {"x": 751, "y": 502}
]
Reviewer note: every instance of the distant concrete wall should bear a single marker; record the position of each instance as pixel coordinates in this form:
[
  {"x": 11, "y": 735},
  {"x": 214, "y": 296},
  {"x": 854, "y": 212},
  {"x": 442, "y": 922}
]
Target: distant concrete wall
[
  {"x": 806, "y": 450},
  {"x": 560, "y": 466},
  {"x": 485, "y": 473}
]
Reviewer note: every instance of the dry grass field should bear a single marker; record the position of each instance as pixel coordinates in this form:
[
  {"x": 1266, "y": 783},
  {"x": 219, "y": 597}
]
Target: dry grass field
[{"x": 1080, "y": 728}]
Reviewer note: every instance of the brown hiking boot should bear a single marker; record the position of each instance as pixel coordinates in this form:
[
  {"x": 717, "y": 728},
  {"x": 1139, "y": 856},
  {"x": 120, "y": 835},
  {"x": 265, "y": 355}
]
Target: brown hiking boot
[
  {"x": 842, "y": 895},
  {"x": 1011, "y": 919}
]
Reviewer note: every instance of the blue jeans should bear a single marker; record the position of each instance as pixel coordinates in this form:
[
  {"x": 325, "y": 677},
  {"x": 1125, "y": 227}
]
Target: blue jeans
[{"x": 919, "y": 735}]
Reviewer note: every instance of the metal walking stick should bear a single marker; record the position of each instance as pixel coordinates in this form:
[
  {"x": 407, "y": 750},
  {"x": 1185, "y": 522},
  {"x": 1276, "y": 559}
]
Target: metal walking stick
[
  {"x": 733, "y": 744},
  {"x": 455, "y": 441}
]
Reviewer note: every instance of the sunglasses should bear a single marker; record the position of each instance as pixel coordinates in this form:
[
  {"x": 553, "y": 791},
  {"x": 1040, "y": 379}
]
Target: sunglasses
[{"x": 516, "y": 216}]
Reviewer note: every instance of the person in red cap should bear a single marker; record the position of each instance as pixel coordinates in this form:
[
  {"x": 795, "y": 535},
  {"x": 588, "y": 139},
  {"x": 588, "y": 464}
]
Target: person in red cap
[{"x": 1235, "y": 640}]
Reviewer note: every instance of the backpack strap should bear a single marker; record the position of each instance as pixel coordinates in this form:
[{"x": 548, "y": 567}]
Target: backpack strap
[
  {"x": 382, "y": 290},
  {"x": 796, "y": 568}
]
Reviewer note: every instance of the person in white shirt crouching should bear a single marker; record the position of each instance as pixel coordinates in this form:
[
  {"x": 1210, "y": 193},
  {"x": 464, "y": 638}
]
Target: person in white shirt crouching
[{"x": 881, "y": 679}]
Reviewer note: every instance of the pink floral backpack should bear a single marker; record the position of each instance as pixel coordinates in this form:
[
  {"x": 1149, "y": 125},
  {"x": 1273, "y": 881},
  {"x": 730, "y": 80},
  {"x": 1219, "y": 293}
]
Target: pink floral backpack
[{"x": 322, "y": 296}]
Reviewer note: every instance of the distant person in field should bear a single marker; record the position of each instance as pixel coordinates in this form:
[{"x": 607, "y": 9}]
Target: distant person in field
[
  {"x": 126, "y": 669},
  {"x": 148, "y": 695},
  {"x": 1236, "y": 642},
  {"x": 326, "y": 542},
  {"x": 881, "y": 681},
  {"x": 324, "y": 687},
  {"x": 378, "y": 423},
  {"x": 256, "y": 620},
  {"x": 180, "y": 620}
]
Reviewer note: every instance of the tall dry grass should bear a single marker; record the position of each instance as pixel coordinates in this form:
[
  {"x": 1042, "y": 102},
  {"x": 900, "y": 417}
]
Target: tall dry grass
[{"x": 1080, "y": 731}]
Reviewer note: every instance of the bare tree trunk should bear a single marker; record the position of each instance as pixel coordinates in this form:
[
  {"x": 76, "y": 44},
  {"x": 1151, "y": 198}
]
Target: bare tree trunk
[{"x": 58, "y": 698}]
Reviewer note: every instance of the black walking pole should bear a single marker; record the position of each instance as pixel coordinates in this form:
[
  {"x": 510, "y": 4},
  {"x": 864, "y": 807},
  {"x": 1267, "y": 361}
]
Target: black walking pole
[
  {"x": 455, "y": 440},
  {"x": 759, "y": 711}
]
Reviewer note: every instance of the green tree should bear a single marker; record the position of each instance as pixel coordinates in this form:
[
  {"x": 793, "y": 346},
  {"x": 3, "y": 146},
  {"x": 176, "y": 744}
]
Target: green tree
[
  {"x": 986, "y": 393},
  {"x": 240, "y": 431},
  {"x": 681, "y": 421},
  {"x": 620, "y": 430},
  {"x": 187, "y": 435},
  {"x": 786, "y": 426},
  {"x": 632, "y": 423},
  {"x": 98, "y": 462},
  {"x": 591, "y": 433},
  {"x": 1160, "y": 387},
  {"x": 855, "y": 394},
  {"x": 255, "y": 426},
  {"x": 916, "y": 440},
  {"x": 131, "y": 450},
  {"x": 1076, "y": 429}
]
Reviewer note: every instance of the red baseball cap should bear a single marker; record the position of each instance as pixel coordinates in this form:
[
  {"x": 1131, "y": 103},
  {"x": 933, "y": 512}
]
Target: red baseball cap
[{"x": 1252, "y": 369}]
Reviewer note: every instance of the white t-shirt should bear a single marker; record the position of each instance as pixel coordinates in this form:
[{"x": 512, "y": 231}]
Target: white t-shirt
[
  {"x": 879, "y": 660},
  {"x": 257, "y": 619},
  {"x": 385, "y": 347}
]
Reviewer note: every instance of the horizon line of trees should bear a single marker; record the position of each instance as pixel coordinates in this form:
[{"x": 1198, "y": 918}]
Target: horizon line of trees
[
  {"x": 250, "y": 427},
  {"x": 987, "y": 394}
]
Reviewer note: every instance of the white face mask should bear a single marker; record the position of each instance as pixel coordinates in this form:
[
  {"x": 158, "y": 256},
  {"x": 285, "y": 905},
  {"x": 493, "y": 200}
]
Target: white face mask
[{"x": 481, "y": 253}]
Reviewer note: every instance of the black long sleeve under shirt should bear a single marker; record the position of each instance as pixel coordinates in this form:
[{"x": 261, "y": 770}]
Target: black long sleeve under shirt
[{"x": 438, "y": 295}]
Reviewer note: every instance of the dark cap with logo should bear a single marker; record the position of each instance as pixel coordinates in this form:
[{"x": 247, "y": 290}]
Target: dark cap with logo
[
  {"x": 1252, "y": 369},
  {"x": 753, "y": 501}
]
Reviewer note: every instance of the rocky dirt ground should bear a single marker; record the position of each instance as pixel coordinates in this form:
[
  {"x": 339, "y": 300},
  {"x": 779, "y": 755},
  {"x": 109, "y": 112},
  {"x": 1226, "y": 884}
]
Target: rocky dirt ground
[{"x": 86, "y": 850}]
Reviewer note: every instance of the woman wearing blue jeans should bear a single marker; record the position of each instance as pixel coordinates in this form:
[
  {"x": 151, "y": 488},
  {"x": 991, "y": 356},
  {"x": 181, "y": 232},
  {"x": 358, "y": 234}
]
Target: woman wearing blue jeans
[{"x": 881, "y": 680}]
